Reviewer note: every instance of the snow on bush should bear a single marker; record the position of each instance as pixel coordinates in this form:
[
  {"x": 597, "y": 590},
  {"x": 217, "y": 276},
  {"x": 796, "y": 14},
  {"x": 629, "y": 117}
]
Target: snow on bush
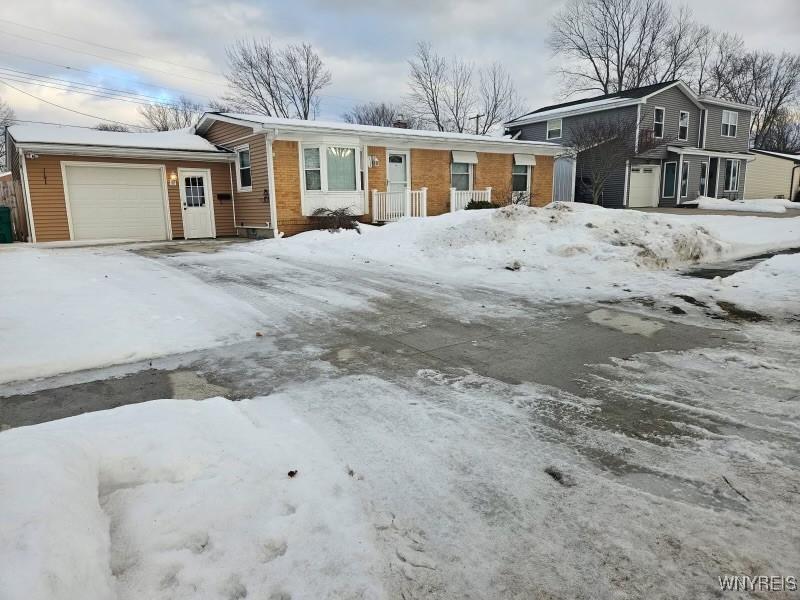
[{"x": 179, "y": 499}]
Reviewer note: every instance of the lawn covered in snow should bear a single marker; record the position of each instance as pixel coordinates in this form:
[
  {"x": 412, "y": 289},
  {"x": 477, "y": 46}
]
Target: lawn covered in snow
[
  {"x": 70, "y": 309},
  {"x": 760, "y": 205},
  {"x": 176, "y": 499}
]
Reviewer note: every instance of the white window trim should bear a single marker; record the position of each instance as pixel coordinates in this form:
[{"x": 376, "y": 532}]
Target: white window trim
[
  {"x": 661, "y": 122},
  {"x": 725, "y": 176},
  {"x": 700, "y": 181},
  {"x": 239, "y": 187},
  {"x": 680, "y": 183},
  {"x": 470, "y": 170},
  {"x": 664, "y": 179},
  {"x": 560, "y": 129},
  {"x": 734, "y": 122},
  {"x": 528, "y": 175},
  {"x": 688, "y": 121},
  {"x": 323, "y": 166}
]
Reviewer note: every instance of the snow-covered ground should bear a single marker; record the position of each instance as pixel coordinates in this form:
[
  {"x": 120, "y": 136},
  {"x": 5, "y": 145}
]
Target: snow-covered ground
[
  {"x": 757, "y": 205},
  {"x": 70, "y": 309},
  {"x": 178, "y": 499}
]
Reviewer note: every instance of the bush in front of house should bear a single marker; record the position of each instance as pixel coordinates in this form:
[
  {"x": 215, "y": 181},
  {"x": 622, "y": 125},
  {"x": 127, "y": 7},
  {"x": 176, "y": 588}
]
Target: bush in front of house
[
  {"x": 335, "y": 219},
  {"x": 479, "y": 204}
]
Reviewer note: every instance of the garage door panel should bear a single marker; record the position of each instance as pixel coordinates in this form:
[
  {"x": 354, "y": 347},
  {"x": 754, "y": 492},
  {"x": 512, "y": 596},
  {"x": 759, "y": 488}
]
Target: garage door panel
[{"x": 116, "y": 203}]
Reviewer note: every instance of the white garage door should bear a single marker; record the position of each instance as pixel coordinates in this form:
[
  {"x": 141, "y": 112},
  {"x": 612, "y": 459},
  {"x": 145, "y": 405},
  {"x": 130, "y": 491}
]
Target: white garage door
[
  {"x": 643, "y": 186},
  {"x": 116, "y": 203}
]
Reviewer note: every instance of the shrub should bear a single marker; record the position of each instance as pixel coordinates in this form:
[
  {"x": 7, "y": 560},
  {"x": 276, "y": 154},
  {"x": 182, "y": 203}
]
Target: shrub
[
  {"x": 479, "y": 204},
  {"x": 335, "y": 219}
]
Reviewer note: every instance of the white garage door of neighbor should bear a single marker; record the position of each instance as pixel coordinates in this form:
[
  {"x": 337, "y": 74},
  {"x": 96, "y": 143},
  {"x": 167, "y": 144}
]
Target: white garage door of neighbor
[
  {"x": 116, "y": 203},
  {"x": 643, "y": 186}
]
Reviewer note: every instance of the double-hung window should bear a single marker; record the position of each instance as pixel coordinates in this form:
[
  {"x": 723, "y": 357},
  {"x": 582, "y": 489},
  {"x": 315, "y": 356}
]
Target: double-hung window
[
  {"x": 330, "y": 168},
  {"x": 658, "y": 123},
  {"x": 244, "y": 175},
  {"x": 554, "y": 129},
  {"x": 312, "y": 166},
  {"x": 730, "y": 122},
  {"x": 731, "y": 175},
  {"x": 461, "y": 176},
  {"x": 519, "y": 178},
  {"x": 683, "y": 126}
]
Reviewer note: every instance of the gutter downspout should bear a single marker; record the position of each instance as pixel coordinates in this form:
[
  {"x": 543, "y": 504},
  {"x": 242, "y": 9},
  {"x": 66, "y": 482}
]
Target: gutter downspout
[
  {"x": 26, "y": 189},
  {"x": 273, "y": 208}
]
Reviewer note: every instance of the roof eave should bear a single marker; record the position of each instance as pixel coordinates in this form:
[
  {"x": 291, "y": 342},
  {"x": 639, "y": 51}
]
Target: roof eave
[
  {"x": 123, "y": 152},
  {"x": 571, "y": 112}
]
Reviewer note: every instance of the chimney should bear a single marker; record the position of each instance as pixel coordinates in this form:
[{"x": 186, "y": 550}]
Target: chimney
[{"x": 400, "y": 122}]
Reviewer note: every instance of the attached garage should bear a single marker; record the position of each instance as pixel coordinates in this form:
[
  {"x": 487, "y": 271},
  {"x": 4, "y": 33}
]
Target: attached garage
[
  {"x": 643, "y": 186},
  {"x": 114, "y": 202}
]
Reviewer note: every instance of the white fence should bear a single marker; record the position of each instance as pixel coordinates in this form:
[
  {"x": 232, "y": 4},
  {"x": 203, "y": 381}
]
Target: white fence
[
  {"x": 393, "y": 206},
  {"x": 460, "y": 199}
]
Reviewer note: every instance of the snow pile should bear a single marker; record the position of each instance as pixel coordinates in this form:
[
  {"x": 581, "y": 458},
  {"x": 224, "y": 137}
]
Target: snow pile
[
  {"x": 71, "y": 309},
  {"x": 772, "y": 286},
  {"x": 180, "y": 499},
  {"x": 763, "y": 205}
]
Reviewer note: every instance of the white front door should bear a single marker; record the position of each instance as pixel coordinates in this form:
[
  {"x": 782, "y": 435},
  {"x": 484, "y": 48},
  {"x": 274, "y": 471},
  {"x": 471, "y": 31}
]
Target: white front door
[
  {"x": 643, "y": 186},
  {"x": 196, "y": 201},
  {"x": 397, "y": 172}
]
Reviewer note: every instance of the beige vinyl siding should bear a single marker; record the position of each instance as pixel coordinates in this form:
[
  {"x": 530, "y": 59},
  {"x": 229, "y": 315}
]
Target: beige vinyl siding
[
  {"x": 768, "y": 177},
  {"x": 252, "y": 208},
  {"x": 50, "y": 211}
]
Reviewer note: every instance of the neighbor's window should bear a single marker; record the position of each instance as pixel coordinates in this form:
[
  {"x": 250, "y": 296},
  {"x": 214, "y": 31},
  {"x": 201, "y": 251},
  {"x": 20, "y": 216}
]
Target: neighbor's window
[
  {"x": 341, "y": 169},
  {"x": 658, "y": 123},
  {"x": 313, "y": 169},
  {"x": 519, "y": 178},
  {"x": 683, "y": 126},
  {"x": 554, "y": 129},
  {"x": 244, "y": 174},
  {"x": 670, "y": 172},
  {"x": 731, "y": 175},
  {"x": 685, "y": 181},
  {"x": 730, "y": 121},
  {"x": 459, "y": 176}
]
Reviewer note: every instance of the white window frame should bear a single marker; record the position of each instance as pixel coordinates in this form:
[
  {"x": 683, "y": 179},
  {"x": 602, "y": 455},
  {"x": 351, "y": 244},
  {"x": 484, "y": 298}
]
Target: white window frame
[
  {"x": 469, "y": 169},
  {"x": 664, "y": 180},
  {"x": 661, "y": 122},
  {"x": 323, "y": 166},
  {"x": 707, "y": 165},
  {"x": 527, "y": 178},
  {"x": 725, "y": 175},
  {"x": 239, "y": 187},
  {"x": 730, "y": 122},
  {"x": 688, "y": 121},
  {"x": 560, "y": 130},
  {"x": 680, "y": 183}
]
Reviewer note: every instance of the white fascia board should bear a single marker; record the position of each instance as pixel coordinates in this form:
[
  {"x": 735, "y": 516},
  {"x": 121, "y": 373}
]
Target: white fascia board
[
  {"x": 702, "y": 152},
  {"x": 207, "y": 120},
  {"x": 151, "y": 153},
  {"x": 728, "y": 103},
  {"x": 571, "y": 111}
]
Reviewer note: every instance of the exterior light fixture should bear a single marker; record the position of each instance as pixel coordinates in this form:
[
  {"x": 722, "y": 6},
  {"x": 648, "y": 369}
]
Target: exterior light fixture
[{"x": 173, "y": 178}]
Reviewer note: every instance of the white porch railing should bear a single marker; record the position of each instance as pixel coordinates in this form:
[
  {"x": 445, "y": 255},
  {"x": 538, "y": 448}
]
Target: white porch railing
[
  {"x": 460, "y": 199},
  {"x": 393, "y": 206}
]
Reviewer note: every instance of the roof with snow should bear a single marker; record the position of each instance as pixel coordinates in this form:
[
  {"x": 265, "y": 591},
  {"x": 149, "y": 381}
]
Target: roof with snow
[
  {"x": 792, "y": 157},
  {"x": 183, "y": 140},
  {"x": 366, "y": 130}
]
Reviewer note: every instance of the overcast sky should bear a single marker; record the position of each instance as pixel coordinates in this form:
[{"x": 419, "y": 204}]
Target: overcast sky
[{"x": 365, "y": 44}]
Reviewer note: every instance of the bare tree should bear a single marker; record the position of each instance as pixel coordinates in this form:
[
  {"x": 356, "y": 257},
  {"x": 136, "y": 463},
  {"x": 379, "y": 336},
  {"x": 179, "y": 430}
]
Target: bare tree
[
  {"x": 112, "y": 127},
  {"x": 179, "y": 114},
  {"x": 382, "y": 114},
  {"x": 275, "y": 82},
  {"x": 6, "y": 120},
  {"x": 446, "y": 93},
  {"x": 784, "y": 134},
  {"x": 605, "y": 144},
  {"x": 716, "y": 55}
]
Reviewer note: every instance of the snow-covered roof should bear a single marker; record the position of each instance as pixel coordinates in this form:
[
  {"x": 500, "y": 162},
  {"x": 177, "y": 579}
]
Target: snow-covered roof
[
  {"x": 794, "y": 157},
  {"x": 368, "y": 130},
  {"x": 183, "y": 140}
]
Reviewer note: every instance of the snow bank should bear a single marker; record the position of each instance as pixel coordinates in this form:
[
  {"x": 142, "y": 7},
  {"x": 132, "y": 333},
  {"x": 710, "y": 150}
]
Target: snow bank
[
  {"x": 762, "y": 205},
  {"x": 180, "y": 499},
  {"x": 71, "y": 309},
  {"x": 772, "y": 286}
]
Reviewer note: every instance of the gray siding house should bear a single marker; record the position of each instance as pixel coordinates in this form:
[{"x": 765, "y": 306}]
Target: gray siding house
[{"x": 701, "y": 144}]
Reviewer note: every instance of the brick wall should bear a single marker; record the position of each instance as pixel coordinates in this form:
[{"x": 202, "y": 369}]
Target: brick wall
[
  {"x": 494, "y": 171},
  {"x": 431, "y": 169},
  {"x": 542, "y": 183}
]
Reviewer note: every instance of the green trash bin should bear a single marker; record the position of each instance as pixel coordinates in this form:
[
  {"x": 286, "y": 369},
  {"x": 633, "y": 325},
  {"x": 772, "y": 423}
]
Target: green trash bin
[{"x": 6, "y": 234}]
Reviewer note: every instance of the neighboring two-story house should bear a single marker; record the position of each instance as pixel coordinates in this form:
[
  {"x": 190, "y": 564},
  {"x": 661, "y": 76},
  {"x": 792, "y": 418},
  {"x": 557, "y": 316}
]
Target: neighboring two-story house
[{"x": 696, "y": 145}]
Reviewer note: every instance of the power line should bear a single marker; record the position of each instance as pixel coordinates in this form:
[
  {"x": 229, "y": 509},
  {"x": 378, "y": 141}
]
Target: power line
[
  {"x": 70, "y": 109},
  {"x": 66, "y": 37}
]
